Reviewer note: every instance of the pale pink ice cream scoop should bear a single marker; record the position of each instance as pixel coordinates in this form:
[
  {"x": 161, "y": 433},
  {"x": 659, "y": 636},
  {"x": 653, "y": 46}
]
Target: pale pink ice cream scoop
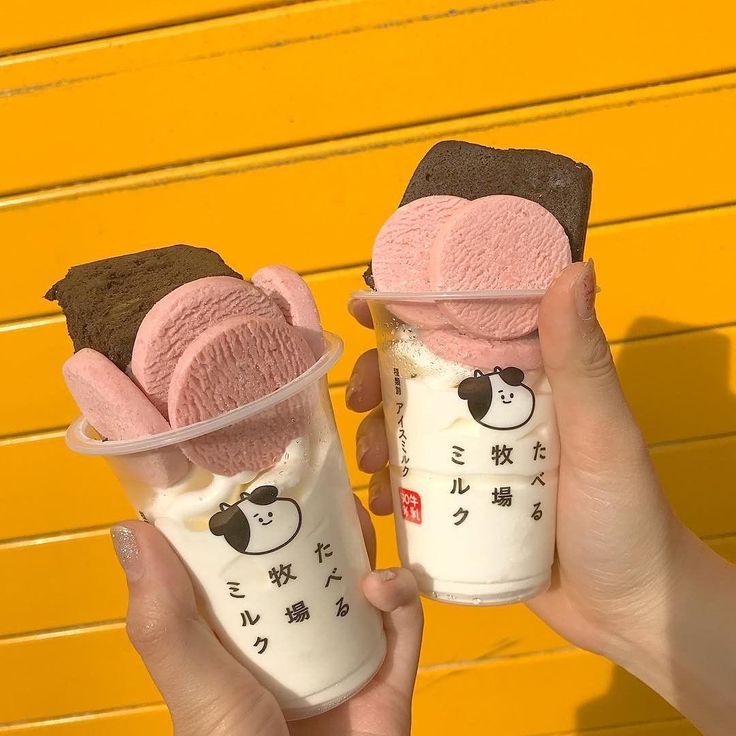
[
  {"x": 180, "y": 316},
  {"x": 119, "y": 410},
  {"x": 523, "y": 352},
  {"x": 497, "y": 242},
  {"x": 401, "y": 254},
  {"x": 288, "y": 290},
  {"x": 231, "y": 364}
]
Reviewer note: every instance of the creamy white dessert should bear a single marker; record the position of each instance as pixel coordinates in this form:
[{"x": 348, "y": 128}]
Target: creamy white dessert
[
  {"x": 278, "y": 558},
  {"x": 474, "y": 487}
]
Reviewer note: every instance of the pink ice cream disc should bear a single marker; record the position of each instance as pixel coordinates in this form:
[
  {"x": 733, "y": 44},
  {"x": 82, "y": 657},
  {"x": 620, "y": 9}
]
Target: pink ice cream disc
[
  {"x": 523, "y": 352},
  {"x": 401, "y": 255},
  {"x": 288, "y": 290},
  {"x": 495, "y": 243},
  {"x": 231, "y": 364},
  {"x": 119, "y": 410},
  {"x": 179, "y": 317}
]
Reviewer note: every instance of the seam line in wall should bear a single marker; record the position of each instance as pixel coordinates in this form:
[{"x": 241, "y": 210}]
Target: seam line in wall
[
  {"x": 356, "y": 142},
  {"x": 282, "y": 8},
  {"x": 11, "y": 726}
]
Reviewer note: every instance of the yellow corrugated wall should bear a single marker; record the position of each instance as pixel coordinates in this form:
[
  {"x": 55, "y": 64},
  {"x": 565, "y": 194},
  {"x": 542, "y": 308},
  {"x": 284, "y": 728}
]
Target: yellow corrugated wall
[{"x": 274, "y": 130}]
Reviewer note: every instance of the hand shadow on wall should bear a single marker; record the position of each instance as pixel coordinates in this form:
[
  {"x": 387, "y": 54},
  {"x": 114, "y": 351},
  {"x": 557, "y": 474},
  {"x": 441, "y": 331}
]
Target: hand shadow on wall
[{"x": 678, "y": 387}]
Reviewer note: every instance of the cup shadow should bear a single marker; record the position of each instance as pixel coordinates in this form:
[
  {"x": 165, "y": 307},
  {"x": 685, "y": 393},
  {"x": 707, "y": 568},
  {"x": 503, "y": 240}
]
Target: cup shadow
[{"x": 677, "y": 381}]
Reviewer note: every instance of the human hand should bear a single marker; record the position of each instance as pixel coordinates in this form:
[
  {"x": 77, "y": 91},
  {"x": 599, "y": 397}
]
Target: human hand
[
  {"x": 630, "y": 581},
  {"x": 616, "y": 535},
  {"x": 209, "y": 693}
]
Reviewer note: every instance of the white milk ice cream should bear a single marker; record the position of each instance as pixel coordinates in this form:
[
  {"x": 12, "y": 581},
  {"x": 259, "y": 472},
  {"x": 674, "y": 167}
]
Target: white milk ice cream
[
  {"x": 456, "y": 281},
  {"x": 474, "y": 479},
  {"x": 208, "y": 393},
  {"x": 281, "y": 576},
  {"x": 276, "y": 556}
]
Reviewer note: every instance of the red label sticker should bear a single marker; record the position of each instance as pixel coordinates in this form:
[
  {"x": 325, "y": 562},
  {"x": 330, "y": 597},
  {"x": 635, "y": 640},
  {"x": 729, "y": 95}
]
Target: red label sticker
[{"x": 411, "y": 505}]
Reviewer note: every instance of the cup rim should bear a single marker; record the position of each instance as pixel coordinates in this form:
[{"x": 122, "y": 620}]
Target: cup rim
[
  {"x": 447, "y": 296},
  {"x": 78, "y": 439}
]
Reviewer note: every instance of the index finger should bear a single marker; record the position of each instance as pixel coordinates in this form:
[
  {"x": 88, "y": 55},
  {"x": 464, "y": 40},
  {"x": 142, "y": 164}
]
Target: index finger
[
  {"x": 359, "y": 309},
  {"x": 369, "y": 531}
]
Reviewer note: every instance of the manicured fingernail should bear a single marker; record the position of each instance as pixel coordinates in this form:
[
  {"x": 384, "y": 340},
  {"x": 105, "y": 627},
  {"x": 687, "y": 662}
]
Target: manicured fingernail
[
  {"x": 126, "y": 548},
  {"x": 584, "y": 291},
  {"x": 385, "y": 576}
]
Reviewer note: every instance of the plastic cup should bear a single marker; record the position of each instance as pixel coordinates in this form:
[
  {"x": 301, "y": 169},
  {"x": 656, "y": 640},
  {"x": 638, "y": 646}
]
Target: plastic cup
[
  {"x": 280, "y": 583},
  {"x": 474, "y": 469}
]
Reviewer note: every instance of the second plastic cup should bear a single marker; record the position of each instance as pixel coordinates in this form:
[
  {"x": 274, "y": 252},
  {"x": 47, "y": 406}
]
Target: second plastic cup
[
  {"x": 473, "y": 455},
  {"x": 277, "y": 557}
]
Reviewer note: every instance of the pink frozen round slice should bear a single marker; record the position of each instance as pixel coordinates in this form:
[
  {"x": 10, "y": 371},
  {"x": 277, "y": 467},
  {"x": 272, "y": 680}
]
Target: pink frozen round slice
[
  {"x": 119, "y": 410},
  {"x": 477, "y": 352},
  {"x": 180, "y": 316},
  {"x": 288, "y": 290},
  {"x": 497, "y": 242},
  {"x": 401, "y": 255},
  {"x": 232, "y": 364}
]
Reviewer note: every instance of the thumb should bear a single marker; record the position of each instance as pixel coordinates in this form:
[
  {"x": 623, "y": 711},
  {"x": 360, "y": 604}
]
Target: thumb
[
  {"x": 205, "y": 688},
  {"x": 592, "y": 414},
  {"x": 394, "y": 592}
]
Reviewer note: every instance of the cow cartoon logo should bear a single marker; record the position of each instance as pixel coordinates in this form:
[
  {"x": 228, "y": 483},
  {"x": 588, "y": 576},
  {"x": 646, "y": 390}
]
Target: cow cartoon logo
[
  {"x": 260, "y": 522},
  {"x": 498, "y": 400}
]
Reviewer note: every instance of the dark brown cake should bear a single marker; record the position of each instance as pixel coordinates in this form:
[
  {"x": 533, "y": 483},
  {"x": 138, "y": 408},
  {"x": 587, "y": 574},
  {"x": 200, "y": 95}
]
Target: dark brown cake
[
  {"x": 469, "y": 170},
  {"x": 105, "y": 301}
]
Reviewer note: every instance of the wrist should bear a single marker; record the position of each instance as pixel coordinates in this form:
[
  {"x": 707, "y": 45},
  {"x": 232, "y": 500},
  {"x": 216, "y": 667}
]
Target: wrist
[
  {"x": 639, "y": 628},
  {"x": 683, "y": 647}
]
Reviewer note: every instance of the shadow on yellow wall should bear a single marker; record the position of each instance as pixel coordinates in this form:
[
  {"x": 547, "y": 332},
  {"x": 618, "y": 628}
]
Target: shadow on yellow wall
[{"x": 670, "y": 384}]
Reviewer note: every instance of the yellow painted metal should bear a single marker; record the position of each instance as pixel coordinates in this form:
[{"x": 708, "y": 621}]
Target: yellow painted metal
[
  {"x": 340, "y": 192},
  {"x": 331, "y": 69},
  {"x": 676, "y": 727},
  {"x": 84, "y": 582},
  {"x": 541, "y": 693},
  {"x": 151, "y": 720},
  {"x": 568, "y": 691},
  {"x": 47, "y": 23},
  {"x": 59, "y": 582},
  {"x": 72, "y": 672},
  {"x": 84, "y": 493},
  {"x": 291, "y": 131},
  {"x": 154, "y": 721},
  {"x": 658, "y": 373},
  {"x": 653, "y": 371},
  {"x": 69, "y": 672},
  {"x": 634, "y": 303},
  {"x": 34, "y": 351},
  {"x": 652, "y": 284},
  {"x": 50, "y": 489}
]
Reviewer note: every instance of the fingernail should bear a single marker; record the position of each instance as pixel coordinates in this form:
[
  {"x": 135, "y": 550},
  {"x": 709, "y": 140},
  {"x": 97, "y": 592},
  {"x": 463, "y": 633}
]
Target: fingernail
[
  {"x": 385, "y": 576},
  {"x": 371, "y": 492},
  {"x": 584, "y": 291},
  {"x": 354, "y": 386},
  {"x": 362, "y": 450},
  {"x": 126, "y": 548}
]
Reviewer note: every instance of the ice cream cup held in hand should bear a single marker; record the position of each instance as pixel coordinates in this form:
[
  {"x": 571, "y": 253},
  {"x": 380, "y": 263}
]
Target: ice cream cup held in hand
[
  {"x": 277, "y": 553},
  {"x": 473, "y": 452}
]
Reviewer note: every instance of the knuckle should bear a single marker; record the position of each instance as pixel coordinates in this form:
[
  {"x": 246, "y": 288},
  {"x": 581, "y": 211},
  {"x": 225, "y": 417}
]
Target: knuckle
[
  {"x": 599, "y": 360},
  {"x": 151, "y": 628},
  {"x": 372, "y": 424}
]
